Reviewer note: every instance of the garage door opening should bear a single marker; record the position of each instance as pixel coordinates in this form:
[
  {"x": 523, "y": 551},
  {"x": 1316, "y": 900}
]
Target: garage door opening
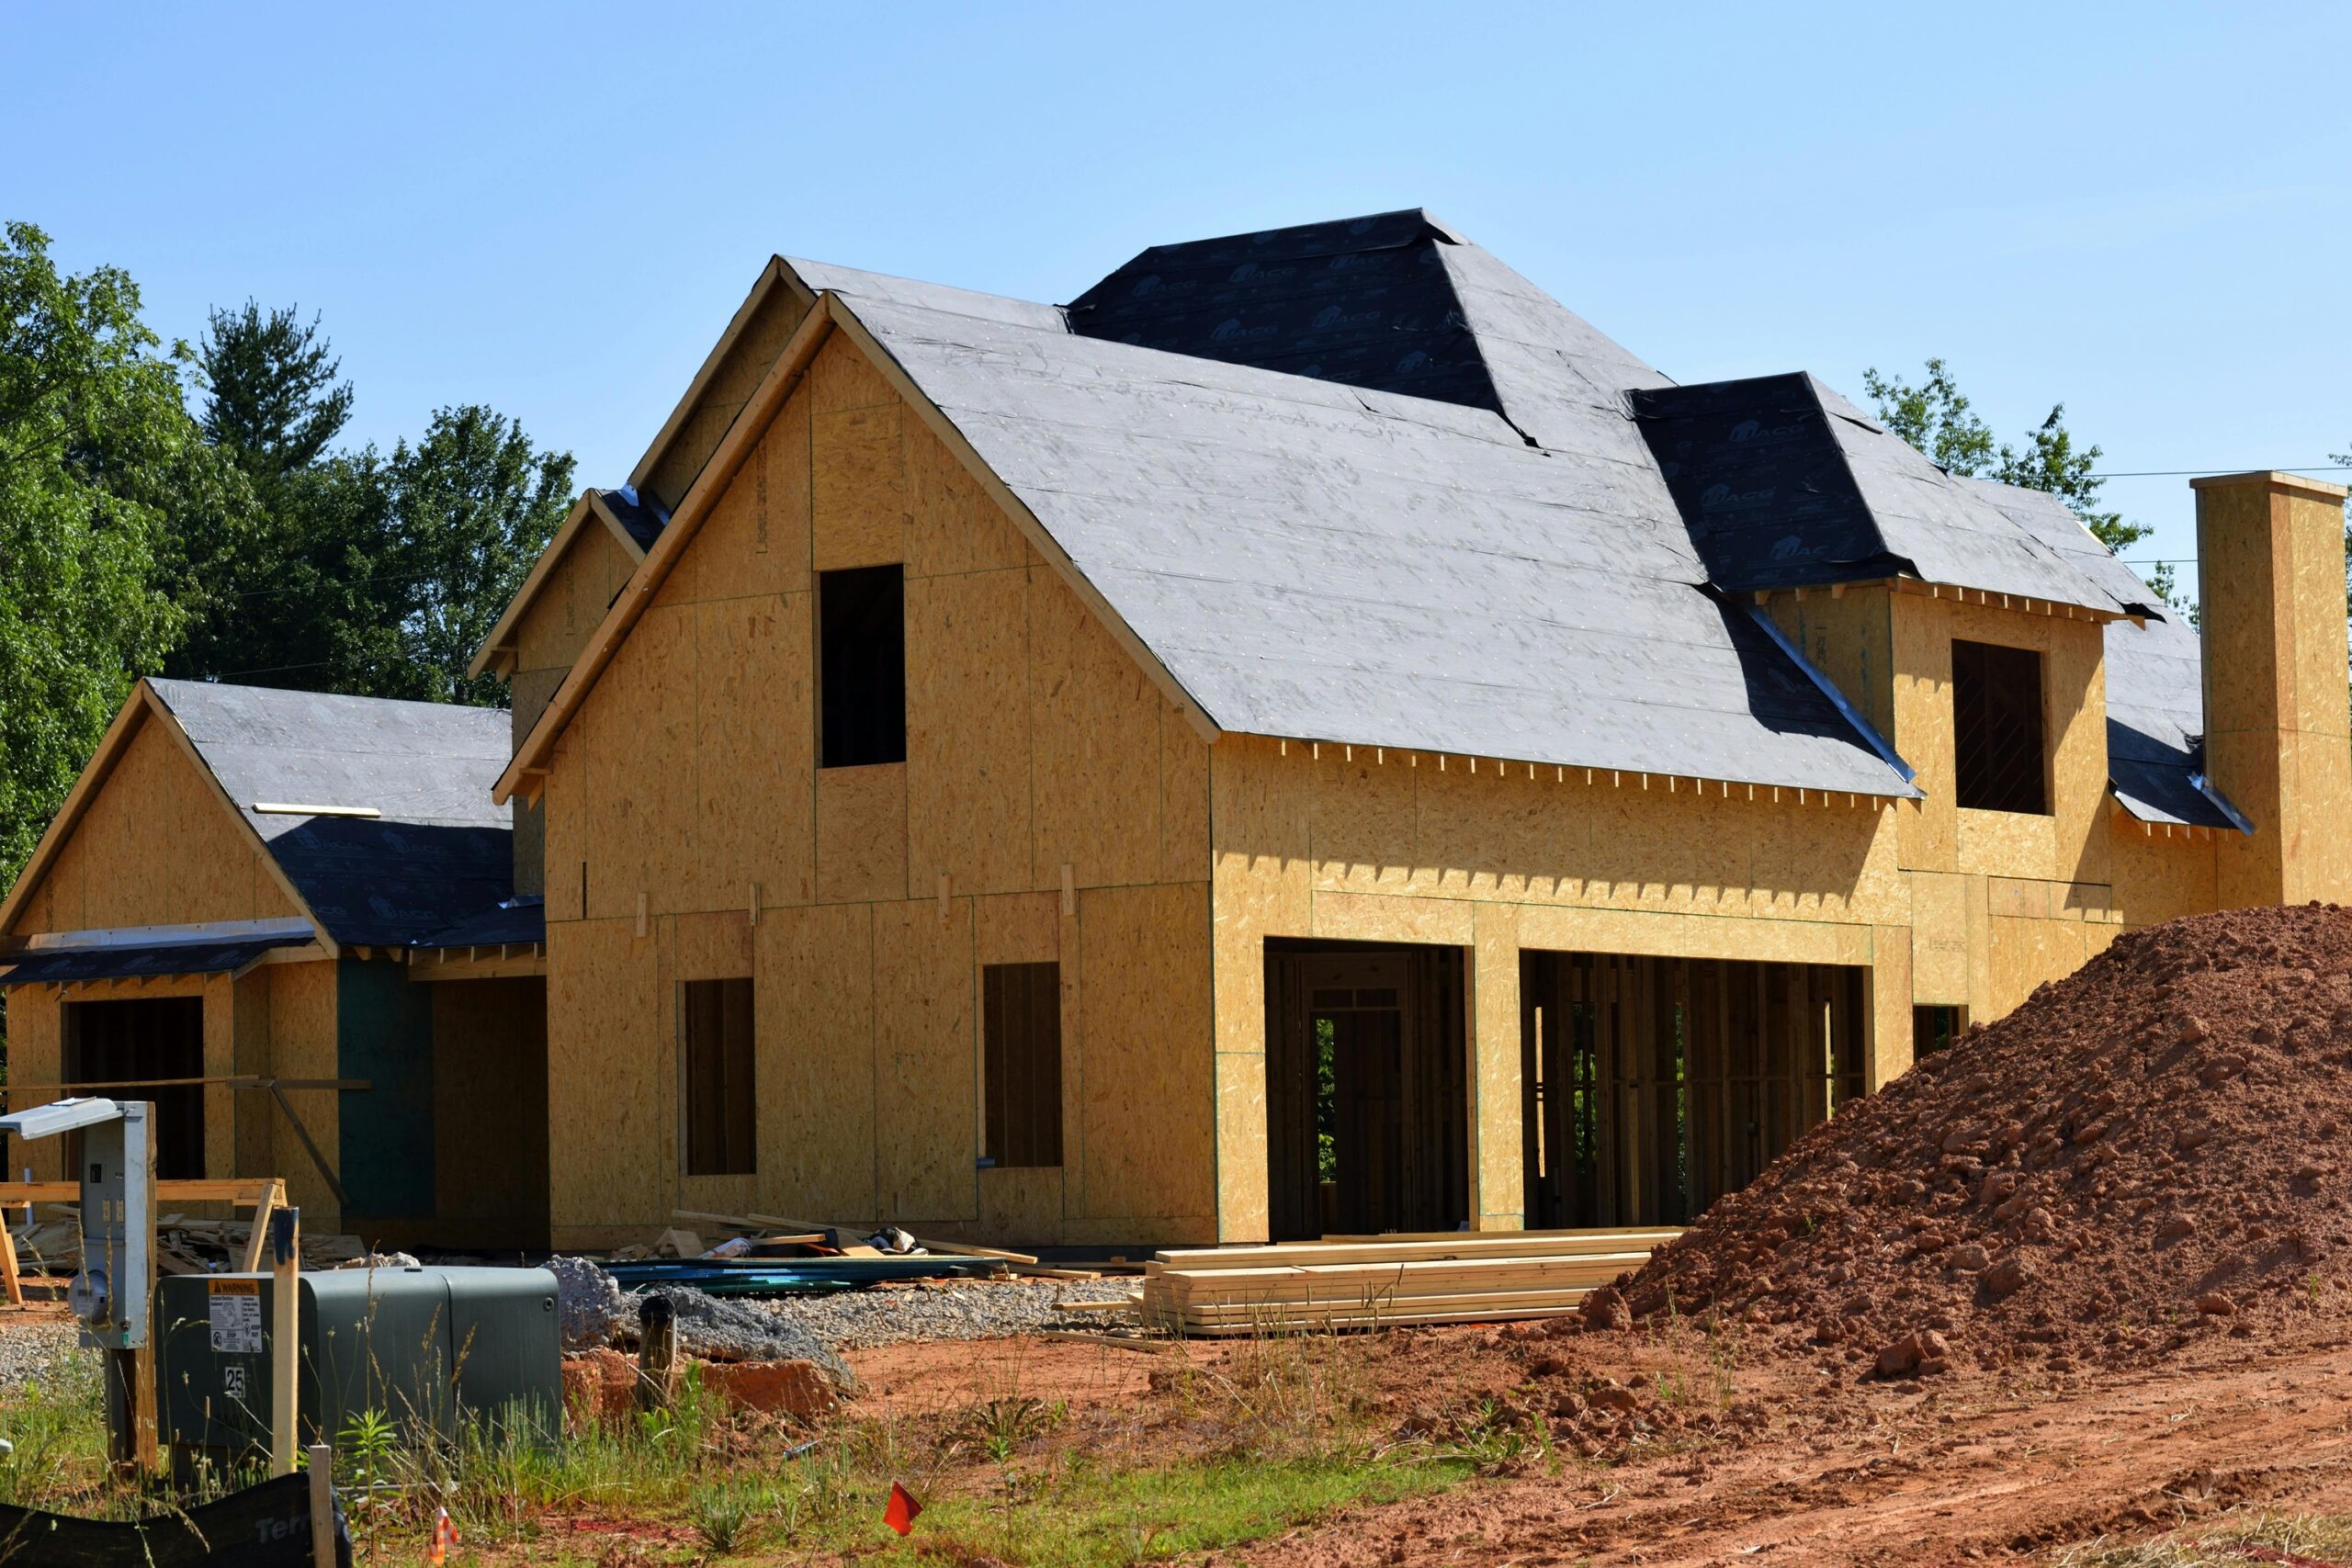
[
  {"x": 1651, "y": 1087},
  {"x": 152, "y": 1038},
  {"x": 1367, "y": 1099}
]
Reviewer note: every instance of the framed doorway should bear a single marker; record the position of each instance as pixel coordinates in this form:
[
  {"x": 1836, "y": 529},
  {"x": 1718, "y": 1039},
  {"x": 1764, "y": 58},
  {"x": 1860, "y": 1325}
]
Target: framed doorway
[{"x": 1367, "y": 1101}]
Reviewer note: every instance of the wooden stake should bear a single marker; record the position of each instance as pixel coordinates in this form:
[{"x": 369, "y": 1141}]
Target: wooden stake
[
  {"x": 321, "y": 1506},
  {"x": 657, "y": 1353},
  {"x": 284, "y": 1267}
]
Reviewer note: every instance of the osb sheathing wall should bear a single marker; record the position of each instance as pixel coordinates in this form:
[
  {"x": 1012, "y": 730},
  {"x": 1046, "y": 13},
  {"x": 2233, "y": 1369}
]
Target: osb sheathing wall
[
  {"x": 1038, "y": 756},
  {"x": 1357, "y": 844},
  {"x": 569, "y": 605},
  {"x": 2270, "y": 573},
  {"x": 158, "y": 846}
]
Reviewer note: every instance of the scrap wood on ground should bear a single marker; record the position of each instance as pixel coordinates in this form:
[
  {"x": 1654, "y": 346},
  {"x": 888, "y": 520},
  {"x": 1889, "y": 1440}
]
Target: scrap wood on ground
[{"x": 2144, "y": 1156}]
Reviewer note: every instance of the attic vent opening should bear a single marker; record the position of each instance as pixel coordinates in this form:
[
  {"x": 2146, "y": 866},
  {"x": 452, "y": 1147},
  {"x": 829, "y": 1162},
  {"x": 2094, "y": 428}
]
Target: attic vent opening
[
  {"x": 1997, "y": 752},
  {"x": 861, "y": 661}
]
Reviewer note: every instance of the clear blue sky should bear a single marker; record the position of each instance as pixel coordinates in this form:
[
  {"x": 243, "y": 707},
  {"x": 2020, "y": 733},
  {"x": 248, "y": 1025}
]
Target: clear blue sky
[{"x": 2138, "y": 209}]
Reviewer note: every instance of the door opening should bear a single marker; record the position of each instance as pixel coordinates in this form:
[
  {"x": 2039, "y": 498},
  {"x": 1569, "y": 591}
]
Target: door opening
[
  {"x": 150, "y": 1038},
  {"x": 1367, "y": 1103},
  {"x": 1651, "y": 1087}
]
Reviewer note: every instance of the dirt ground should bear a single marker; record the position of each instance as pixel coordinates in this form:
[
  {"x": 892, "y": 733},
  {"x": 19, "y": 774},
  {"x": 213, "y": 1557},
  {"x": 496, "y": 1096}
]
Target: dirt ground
[{"x": 1964, "y": 1468}]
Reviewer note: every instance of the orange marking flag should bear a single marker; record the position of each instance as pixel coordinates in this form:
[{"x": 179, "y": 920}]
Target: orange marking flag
[{"x": 901, "y": 1511}]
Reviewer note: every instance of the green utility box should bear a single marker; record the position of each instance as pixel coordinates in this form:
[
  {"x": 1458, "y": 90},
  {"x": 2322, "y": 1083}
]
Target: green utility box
[{"x": 422, "y": 1349}]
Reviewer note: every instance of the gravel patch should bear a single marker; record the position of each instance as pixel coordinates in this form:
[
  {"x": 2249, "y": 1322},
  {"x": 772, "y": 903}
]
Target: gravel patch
[
  {"x": 959, "y": 1309},
  {"x": 31, "y": 1352}
]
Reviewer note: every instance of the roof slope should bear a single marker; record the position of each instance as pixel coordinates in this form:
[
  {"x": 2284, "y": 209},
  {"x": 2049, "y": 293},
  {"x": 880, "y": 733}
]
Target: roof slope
[
  {"x": 439, "y": 851},
  {"x": 2155, "y": 724},
  {"x": 1322, "y": 561},
  {"x": 1786, "y": 484}
]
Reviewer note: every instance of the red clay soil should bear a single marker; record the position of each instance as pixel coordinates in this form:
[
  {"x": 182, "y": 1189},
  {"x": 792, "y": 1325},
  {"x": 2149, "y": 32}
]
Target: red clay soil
[{"x": 2143, "y": 1156}]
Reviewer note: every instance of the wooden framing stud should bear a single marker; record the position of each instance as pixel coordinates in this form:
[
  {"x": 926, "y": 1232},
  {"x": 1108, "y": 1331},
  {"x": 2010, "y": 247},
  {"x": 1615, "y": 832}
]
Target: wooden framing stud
[
  {"x": 943, "y": 897},
  {"x": 751, "y": 912},
  {"x": 1069, "y": 888},
  {"x": 644, "y": 913}
]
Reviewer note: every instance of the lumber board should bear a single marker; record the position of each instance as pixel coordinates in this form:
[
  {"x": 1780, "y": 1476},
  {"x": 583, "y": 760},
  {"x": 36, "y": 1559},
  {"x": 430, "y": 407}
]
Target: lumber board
[
  {"x": 1115, "y": 1341},
  {"x": 1662, "y": 1233},
  {"x": 1324, "y": 1321},
  {"x": 1318, "y": 1252},
  {"x": 1603, "y": 1266},
  {"x": 15, "y": 1194}
]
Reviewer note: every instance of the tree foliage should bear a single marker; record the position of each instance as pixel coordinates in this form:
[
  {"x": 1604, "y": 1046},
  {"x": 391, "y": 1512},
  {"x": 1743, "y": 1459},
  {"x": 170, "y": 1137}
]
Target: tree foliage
[
  {"x": 233, "y": 542},
  {"x": 95, "y": 446},
  {"x": 1934, "y": 416},
  {"x": 272, "y": 402}
]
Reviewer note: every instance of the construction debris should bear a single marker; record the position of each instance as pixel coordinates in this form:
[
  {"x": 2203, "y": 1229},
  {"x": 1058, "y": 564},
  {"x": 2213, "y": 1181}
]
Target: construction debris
[
  {"x": 52, "y": 1245},
  {"x": 1357, "y": 1283}
]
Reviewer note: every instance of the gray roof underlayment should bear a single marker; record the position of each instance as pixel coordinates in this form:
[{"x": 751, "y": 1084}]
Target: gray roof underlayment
[
  {"x": 438, "y": 852},
  {"x": 1362, "y": 481},
  {"x": 1329, "y": 562}
]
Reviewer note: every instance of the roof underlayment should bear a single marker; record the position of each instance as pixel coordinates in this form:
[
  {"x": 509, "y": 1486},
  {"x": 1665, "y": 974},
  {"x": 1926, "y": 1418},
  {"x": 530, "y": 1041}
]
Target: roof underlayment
[
  {"x": 437, "y": 851},
  {"x": 1361, "y": 482}
]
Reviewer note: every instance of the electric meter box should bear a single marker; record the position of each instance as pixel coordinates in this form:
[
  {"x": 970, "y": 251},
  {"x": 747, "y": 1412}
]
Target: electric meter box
[{"x": 423, "y": 1349}]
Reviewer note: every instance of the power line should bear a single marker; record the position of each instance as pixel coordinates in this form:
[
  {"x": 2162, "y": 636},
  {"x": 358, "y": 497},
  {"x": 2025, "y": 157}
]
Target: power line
[{"x": 2265, "y": 468}]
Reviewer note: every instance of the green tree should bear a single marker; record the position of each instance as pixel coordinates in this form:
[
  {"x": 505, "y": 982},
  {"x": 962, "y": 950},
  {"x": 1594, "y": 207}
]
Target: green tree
[
  {"x": 1934, "y": 416},
  {"x": 413, "y": 556},
  {"x": 359, "y": 572},
  {"x": 96, "y": 445},
  {"x": 272, "y": 398}
]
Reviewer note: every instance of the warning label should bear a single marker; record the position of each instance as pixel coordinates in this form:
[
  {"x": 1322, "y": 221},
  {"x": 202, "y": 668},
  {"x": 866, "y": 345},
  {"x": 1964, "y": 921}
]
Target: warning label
[{"x": 236, "y": 1315}]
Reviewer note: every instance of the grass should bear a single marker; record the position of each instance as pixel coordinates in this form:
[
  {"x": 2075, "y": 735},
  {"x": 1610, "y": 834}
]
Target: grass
[
  {"x": 2230, "y": 1542},
  {"x": 1275, "y": 1433}
]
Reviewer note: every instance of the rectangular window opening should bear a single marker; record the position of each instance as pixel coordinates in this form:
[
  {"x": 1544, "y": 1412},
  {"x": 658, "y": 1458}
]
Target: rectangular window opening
[
  {"x": 861, "y": 665},
  {"x": 1997, "y": 752},
  {"x": 1021, "y": 1070},
  {"x": 718, "y": 1066},
  {"x": 1935, "y": 1028}
]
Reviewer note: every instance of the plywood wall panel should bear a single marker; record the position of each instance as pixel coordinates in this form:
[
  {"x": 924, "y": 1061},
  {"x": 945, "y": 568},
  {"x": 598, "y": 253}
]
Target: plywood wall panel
[
  {"x": 1017, "y": 928},
  {"x": 755, "y": 540},
  {"x": 1149, "y": 1077},
  {"x": 967, "y": 732},
  {"x": 2158, "y": 877},
  {"x": 571, "y": 601},
  {"x": 1498, "y": 1170},
  {"x": 1184, "y": 800},
  {"x": 926, "y": 1063},
  {"x": 814, "y": 992},
  {"x": 755, "y": 750},
  {"x": 1096, "y": 724},
  {"x": 952, "y": 526},
  {"x": 841, "y": 378},
  {"x": 36, "y": 1056},
  {"x": 857, "y": 488},
  {"x": 303, "y": 1044},
  {"x": 730, "y": 386},
  {"x": 158, "y": 845},
  {"x": 862, "y": 833},
  {"x": 612, "y": 1080}
]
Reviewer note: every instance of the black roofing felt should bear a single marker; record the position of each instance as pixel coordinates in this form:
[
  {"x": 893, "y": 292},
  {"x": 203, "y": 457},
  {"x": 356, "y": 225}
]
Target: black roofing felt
[
  {"x": 513, "y": 923},
  {"x": 60, "y": 964},
  {"x": 643, "y": 520},
  {"x": 1761, "y": 483},
  {"x": 440, "y": 849},
  {"x": 1364, "y": 301}
]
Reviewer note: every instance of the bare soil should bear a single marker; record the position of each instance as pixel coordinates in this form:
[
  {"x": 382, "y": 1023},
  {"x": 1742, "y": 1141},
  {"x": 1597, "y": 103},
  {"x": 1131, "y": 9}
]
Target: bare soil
[{"x": 2146, "y": 1156}]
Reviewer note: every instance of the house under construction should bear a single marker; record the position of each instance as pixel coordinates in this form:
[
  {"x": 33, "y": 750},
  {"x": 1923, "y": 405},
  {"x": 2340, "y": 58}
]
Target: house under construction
[{"x": 1308, "y": 736}]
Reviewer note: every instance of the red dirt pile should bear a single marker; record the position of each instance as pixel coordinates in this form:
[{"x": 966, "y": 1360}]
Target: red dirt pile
[{"x": 2147, "y": 1152}]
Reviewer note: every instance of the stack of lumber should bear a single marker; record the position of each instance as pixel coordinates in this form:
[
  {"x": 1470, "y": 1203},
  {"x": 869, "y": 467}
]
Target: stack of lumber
[{"x": 1373, "y": 1282}]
